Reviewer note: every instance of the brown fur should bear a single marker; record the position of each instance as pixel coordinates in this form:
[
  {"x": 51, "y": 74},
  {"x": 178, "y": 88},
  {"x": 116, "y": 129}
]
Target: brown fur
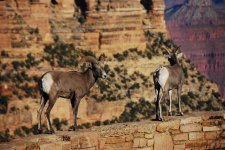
[
  {"x": 72, "y": 85},
  {"x": 174, "y": 81}
]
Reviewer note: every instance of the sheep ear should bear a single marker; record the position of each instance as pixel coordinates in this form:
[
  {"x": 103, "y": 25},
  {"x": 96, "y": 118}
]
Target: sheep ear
[
  {"x": 180, "y": 55},
  {"x": 102, "y": 57},
  {"x": 167, "y": 56},
  {"x": 88, "y": 65}
]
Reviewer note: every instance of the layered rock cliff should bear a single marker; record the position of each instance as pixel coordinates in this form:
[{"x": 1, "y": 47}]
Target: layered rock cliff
[
  {"x": 113, "y": 28},
  {"x": 95, "y": 25},
  {"x": 23, "y": 24},
  {"x": 199, "y": 28}
]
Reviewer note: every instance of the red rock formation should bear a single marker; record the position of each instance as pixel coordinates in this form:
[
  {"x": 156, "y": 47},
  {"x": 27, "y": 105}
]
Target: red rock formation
[
  {"x": 108, "y": 26},
  {"x": 200, "y": 29},
  {"x": 23, "y": 23},
  {"x": 171, "y": 3}
]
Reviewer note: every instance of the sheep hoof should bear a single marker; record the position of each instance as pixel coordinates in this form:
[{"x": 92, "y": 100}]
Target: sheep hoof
[
  {"x": 75, "y": 129},
  {"x": 39, "y": 131},
  {"x": 50, "y": 131},
  {"x": 158, "y": 119},
  {"x": 180, "y": 114},
  {"x": 170, "y": 114}
]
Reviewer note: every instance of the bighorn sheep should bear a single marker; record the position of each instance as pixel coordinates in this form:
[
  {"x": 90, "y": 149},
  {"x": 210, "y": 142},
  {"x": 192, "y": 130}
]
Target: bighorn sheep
[
  {"x": 168, "y": 78},
  {"x": 72, "y": 85}
]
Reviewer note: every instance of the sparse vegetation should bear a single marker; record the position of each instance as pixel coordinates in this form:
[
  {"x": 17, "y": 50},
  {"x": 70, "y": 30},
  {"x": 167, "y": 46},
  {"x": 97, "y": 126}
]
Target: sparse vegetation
[
  {"x": 3, "y": 104},
  {"x": 58, "y": 124},
  {"x": 5, "y": 136},
  {"x": 61, "y": 54},
  {"x": 135, "y": 111},
  {"x": 121, "y": 83}
]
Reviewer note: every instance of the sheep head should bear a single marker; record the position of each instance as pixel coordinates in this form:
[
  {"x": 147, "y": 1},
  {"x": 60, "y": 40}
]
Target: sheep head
[
  {"x": 173, "y": 56},
  {"x": 95, "y": 65}
]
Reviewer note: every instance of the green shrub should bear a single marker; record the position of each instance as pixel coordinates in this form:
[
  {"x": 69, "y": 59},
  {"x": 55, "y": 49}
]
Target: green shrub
[
  {"x": 103, "y": 87},
  {"x": 119, "y": 57},
  {"x": 18, "y": 132},
  {"x": 106, "y": 122},
  {"x": 200, "y": 78},
  {"x": 58, "y": 124},
  {"x": 3, "y": 104},
  {"x": 135, "y": 86},
  {"x": 4, "y": 54},
  {"x": 149, "y": 55},
  {"x": 135, "y": 111},
  {"x": 16, "y": 65},
  {"x": 88, "y": 53},
  {"x": 185, "y": 99},
  {"x": 185, "y": 72},
  {"x": 13, "y": 109},
  {"x": 193, "y": 80},
  {"x": 216, "y": 94},
  {"x": 117, "y": 69},
  {"x": 149, "y": 34},
  {"x": 31, "y": 61},
  {"x": 191, "y": 95},
  {"x": 27, "y": 107},
  {"x": 61, "y": 54},
  {"x": 5, "y": 136},
  {"x": 97, "y": 123}
]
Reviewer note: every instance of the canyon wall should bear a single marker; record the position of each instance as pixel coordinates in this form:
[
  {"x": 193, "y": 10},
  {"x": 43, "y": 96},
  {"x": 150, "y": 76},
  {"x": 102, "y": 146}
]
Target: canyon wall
[
  {"x": 201, "y": 36},
  {"x": 112, "y": 26},
  {"x": 23, "y": 24},
  {"x": 105, "y": 26},
  {"x": 196, "y": 131}
]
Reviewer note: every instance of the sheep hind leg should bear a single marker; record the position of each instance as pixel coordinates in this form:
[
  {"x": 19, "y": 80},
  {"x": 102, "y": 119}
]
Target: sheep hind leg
[
  {"x": 160, "y": 108},
  {"x": 170, "y": 96},
  {"x": 47, "y": 114},
  {"x": 39, "y": 112},
  {"x": 157, "y": 104},
  {"x": 179, "y": 102}
]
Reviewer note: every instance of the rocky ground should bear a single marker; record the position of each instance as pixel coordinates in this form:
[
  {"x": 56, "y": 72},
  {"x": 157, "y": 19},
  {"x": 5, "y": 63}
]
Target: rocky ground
[{"x": 203, "y": 130}]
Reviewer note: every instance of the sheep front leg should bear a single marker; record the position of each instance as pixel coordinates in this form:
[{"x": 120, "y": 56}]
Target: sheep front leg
[
  {"x": 76, "y": 105},
  {"x": 170, "y": 96},
  {"x": 157, "y": 104}
]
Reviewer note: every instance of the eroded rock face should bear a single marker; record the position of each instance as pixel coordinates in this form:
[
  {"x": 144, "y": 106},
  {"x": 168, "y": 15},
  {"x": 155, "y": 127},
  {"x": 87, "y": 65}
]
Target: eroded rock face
[
  {"x": 109, "y": 26},
  {"x": 200, "y": 35},
  {"x": 200, "y": 2},
  {"x": 23, "y": 24}
]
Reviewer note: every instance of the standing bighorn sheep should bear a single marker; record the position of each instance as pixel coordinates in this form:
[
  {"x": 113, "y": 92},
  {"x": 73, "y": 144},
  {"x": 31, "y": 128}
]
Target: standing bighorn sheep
[
  {"x": 167, "y": 78},
  {"x": 72, "y": 85}
]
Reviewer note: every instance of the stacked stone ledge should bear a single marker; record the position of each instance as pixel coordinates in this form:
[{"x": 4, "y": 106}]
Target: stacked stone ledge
[{"x": 198, "y": 131}]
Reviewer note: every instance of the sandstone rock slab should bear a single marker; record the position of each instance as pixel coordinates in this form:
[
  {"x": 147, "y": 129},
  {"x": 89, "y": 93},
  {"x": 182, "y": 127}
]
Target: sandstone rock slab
[{"x": 162, "y": 141}]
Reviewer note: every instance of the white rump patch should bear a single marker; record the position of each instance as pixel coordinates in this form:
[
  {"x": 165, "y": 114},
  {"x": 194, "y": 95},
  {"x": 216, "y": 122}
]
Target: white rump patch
[
  {"x": 180, "y": 55},
  {"x": 47, "y": 82},
  {"x": 163, "y": 76}
]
